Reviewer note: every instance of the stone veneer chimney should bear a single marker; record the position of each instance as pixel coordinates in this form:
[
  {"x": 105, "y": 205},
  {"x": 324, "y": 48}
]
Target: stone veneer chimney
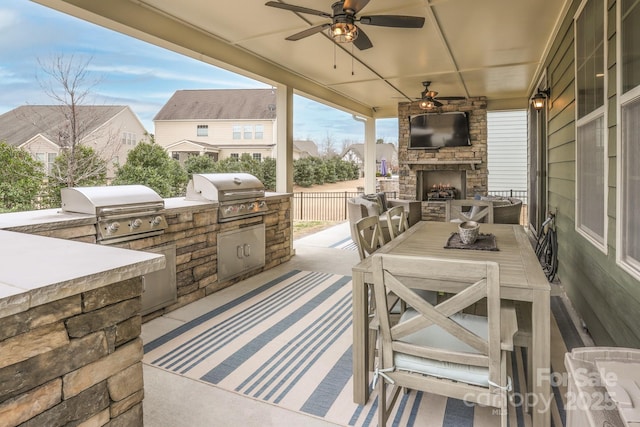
[{"x": 472, "y": 159}]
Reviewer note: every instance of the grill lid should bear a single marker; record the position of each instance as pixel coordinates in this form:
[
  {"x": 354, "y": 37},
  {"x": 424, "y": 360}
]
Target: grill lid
[
  {"x": 224, "y": 187},
  {"x": 90, "y": 199}
]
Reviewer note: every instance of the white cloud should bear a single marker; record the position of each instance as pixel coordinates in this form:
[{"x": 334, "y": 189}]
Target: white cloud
[{"x": 8, "y": 19}]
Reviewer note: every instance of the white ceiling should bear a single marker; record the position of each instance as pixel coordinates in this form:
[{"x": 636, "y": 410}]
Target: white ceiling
[{"x": 472, "y": 48}]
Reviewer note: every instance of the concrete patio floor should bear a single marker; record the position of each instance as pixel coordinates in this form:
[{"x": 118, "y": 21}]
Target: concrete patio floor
[{"x": 175, "y": 401}]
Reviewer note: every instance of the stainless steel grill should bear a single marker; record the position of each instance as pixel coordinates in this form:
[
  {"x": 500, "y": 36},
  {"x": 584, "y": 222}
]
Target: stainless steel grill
[
  {"x": 240, "y": 195},
  {"x": 124, "y": 212}
]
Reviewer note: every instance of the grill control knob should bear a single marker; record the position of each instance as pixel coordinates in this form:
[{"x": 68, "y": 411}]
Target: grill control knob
[
  {"x": 136, "y": 223},
  {"x": 113, "y": 227},
  {"x": 156, "y": 220}
]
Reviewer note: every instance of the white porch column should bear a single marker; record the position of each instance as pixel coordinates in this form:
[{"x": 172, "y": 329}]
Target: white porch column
[
  {"x": 370, "y": 155},
  {"x": 284, "y": 139}
]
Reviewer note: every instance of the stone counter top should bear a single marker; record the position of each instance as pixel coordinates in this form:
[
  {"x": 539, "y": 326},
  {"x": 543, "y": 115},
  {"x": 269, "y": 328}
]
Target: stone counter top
[
  {"x": 46, "y": 219},
  {"x": 37, "y": 270},
  {"x": 43, "y": 219}
]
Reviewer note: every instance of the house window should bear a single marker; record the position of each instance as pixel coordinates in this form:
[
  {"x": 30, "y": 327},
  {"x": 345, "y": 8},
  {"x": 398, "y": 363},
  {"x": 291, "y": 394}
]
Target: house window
[
  {"x": 47, "y": 160},
  {"x": 259, "y": 133},
  {"x": 202, "y": 130},
  {"x": 128, "y": 138},
  {"x": 235, "y": 156},
  {"x": 51, "y": 158},
  {"x": 590, "y": 125},
  {"x": 248, "y": 132},
  {"x": 629, "y": 155},
  {"x": 257, "y": 156},
  {"x": 237, "y": 132}
]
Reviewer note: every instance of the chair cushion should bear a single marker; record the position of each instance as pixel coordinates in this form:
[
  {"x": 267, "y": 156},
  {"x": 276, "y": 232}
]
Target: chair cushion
[
  {"x": 375, "y": 199},
  {"x": 435, "y": 336},
  {"x": 372, "y": 207},
  {"x": 430, "y": 296},
  {"x": 382, "y": 197}
]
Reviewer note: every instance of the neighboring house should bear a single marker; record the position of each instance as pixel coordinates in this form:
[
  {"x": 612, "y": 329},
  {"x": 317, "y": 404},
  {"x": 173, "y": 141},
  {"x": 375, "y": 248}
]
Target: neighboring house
[
  {"x": 386, "y": 151},
  {"x": 221, "y": 123},
  {"x": 304, "y": 148},
  {"x": 111, "y": 130}
]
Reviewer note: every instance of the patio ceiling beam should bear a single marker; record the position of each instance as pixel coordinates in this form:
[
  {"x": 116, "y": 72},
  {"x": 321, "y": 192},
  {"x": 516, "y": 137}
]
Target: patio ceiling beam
[{"x": 138, "y": 20}]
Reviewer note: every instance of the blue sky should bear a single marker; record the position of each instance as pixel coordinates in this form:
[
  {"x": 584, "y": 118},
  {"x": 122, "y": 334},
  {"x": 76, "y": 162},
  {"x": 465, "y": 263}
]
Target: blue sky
[{"x": 135, "y": 73}]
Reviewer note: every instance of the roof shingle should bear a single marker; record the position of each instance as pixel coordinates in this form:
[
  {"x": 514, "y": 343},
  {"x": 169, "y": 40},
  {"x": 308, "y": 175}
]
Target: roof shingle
[{"x": 219, "y": 104}]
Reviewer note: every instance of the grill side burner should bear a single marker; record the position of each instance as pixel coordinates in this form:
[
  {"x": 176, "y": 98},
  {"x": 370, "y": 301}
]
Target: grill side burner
[
  {"x": 123, "y": 213},
  {"x": 240, "y": 195}
]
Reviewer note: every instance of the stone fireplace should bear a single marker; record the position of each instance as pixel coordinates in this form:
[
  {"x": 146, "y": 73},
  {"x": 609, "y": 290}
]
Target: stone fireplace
[{"x": 461, "y": 169}]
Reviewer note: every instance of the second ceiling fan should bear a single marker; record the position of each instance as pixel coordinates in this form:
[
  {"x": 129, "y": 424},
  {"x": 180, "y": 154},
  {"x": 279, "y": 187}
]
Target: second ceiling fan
[
  {"x": 429, "y": 98},
  {"x": 343, "y": 26}
]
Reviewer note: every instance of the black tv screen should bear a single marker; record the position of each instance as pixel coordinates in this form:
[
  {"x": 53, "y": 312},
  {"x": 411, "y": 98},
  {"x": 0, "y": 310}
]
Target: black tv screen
[{"x": 436, "y": 130}]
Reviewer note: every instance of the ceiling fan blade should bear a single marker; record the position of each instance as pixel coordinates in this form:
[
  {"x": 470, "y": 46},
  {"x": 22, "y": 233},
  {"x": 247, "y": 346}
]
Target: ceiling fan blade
[
  {"x": 398, "y": 21},
  {"x": 298, "y": 9},
  {"x": 308, "y": 32},
  {"x": 451, "y": 98},
  {"x": 436, "y": 103},
  {"x": 354, "y": 6},
  {"x": 362, "y": 42}
]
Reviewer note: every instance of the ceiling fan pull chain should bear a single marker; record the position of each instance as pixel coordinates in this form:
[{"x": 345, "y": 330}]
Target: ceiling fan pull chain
[
  {"x": 352, "y": 72},
  {"x": 334, "y": 56}
]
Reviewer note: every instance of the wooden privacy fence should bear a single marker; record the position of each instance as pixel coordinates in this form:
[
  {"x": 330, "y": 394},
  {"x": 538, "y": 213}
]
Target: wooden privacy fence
[{"x": 332, "y": 206}]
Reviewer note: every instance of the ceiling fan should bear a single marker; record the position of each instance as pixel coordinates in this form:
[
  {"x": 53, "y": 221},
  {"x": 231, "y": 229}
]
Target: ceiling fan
[
  {"x": 343, "y": 28},
  {"x": 429, "y": 99}
]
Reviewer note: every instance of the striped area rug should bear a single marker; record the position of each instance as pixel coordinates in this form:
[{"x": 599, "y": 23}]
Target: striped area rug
[
  {"x": 346, "y": 244},
  {"x": 288, "y": 342}
]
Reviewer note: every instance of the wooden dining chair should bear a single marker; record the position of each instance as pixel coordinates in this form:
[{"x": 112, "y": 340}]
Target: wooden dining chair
[
  {"x": 397, "y": 221},
  {"x": 370, "y": 239},
  {"x": 439, "y": 348},
  {"x": 469, "y": 210},
  {"x": 369, "y": 236}
]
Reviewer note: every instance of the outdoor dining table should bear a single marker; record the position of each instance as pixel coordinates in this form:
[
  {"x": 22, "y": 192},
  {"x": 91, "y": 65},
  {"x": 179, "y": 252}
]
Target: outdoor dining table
[{"x": 521, "y": 279}]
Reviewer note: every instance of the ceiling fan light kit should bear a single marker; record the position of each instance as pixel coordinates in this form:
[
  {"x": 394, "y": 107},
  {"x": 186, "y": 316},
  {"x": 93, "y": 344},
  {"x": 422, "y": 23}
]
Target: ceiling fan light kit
[
  {"x": 426, "y": 104},
  {"x": 343, "y": 32}
]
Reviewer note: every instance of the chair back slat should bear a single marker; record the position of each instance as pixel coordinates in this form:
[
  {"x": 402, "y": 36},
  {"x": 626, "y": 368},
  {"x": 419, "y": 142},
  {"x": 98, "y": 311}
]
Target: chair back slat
[
  {"x": 369, "y": 236},
  {"x": 469, "y": 210},
  {"x": 397, "y": 222}
]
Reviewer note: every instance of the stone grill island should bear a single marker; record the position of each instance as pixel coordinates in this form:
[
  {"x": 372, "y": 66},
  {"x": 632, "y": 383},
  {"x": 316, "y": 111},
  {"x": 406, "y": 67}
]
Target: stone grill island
[{"x": 70, "y": 307}]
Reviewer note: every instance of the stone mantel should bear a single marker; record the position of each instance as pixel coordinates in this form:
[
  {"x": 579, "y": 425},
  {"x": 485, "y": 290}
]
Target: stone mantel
[{"x": 472, "y": 162}]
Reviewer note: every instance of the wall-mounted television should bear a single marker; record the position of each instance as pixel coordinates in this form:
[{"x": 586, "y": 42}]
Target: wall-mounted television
[{"x": 432, "y": 131}]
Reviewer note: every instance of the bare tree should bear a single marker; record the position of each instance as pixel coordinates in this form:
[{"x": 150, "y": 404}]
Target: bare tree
[
  {"x": 328, "y": 146},
  {"x": 69, "y": 83}
]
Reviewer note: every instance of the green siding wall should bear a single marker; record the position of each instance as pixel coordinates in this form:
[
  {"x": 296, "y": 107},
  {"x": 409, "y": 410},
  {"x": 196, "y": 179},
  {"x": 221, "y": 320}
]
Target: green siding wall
[{"x": 607, "y": 298}]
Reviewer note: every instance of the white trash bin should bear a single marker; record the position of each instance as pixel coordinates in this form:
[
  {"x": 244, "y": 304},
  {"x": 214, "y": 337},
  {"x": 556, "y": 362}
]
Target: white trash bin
[{"x": 604, "y": 387}]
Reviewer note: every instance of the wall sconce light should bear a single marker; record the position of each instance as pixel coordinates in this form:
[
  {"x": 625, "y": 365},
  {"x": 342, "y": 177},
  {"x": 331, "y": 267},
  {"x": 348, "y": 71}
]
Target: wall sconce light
[{"x": 539, "y": 98}]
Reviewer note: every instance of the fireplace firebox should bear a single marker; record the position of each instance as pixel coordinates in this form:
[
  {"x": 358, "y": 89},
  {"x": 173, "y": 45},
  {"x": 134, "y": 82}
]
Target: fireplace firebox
[{"x": 441, "y": 185}]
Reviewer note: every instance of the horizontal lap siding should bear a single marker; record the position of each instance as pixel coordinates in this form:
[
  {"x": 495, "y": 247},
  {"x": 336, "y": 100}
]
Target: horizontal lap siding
[
  {"x": 507, "y": 150},
  {"x": 602, "y": 293}
]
